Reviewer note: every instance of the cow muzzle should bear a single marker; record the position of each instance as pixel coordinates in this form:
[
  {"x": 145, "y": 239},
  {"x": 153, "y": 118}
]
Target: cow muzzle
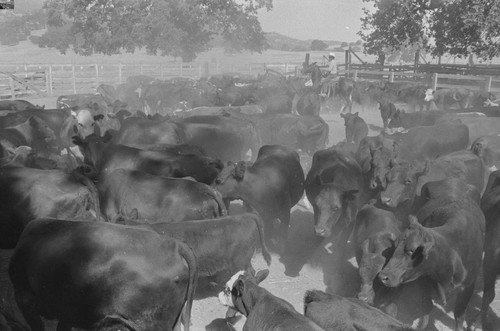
[{"x": 389, "y": 280}]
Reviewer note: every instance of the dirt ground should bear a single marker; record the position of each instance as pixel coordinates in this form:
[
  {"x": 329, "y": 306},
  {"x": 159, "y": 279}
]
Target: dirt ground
[{"x": 317, "y": 270}]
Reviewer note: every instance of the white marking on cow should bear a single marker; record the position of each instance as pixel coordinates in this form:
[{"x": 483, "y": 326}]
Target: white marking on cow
[
  {"x": 225, "y": 297},
  {"x": 309, "y": 83},
  {"x": 492, "y": 168},
  {"x": 429, "y": 95},
  {"x": 304, "y": 202},
  {"x": 472, "y": 114},
  {"x": 490, "y": 103},
  {"x": 327, "y": 248}
]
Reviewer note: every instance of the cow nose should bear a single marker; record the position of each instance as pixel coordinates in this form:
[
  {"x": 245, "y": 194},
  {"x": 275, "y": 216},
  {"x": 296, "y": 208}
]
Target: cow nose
[
  {"x": 385, "y": 200},
  {"x": 373, "y": 184},
  {"x": 320, "y": 231}
]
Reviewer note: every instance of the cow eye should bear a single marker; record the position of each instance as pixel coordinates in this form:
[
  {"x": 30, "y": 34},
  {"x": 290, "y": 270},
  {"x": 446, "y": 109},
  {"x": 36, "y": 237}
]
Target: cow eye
[
  {"x": 218, "y": 181},
  {"x": 409, "y": 252},
  {"x": 408, "y": 181},
  {"x": 227, "y": 291}
]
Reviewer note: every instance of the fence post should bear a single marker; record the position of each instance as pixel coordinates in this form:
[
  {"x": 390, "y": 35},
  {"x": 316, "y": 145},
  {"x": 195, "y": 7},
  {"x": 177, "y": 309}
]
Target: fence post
[
  {"x": 161, "y": 71},
  {"x": 391, "y": 77},
  {"x": 51, "y": 86},
  {"x": 142, "y": 69},
  {"x": 180, "y": 71},
  {"x": 355, "y": 75},
  {"x": 434, "y": 81},
  {"x": 120, "y": 80},
  {"x": 96, "y": 76},
  {"x": 207, "y": 69},
  {"x": 73, "y": 78},
  {"x": 487, "y": 86},
  {"x": 12, "y": 88}
]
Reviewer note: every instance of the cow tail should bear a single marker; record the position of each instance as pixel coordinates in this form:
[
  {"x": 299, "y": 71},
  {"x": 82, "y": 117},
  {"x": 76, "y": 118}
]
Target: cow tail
[
  {"x": 187, "y": 253},
  {"x": 260, "y": 227},
  {"x": 221, "y": 206},
  {"x": 93, "y": 191}
]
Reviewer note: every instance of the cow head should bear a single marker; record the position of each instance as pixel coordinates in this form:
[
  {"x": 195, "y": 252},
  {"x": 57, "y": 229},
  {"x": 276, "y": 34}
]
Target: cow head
[
  {"x": 413, "y": 248},
  {"x": 395, "y": 119},
  {"x": 236, "y": 293},
  {"x": 42, "y": 132},
  {"x": 380, "y": 164},
  {"x": 229, "y": 179},
  {"x": 92, "y": 147},
  {"x": 429, "y": 95},
  {"x": 375, "y": 254},
  {"x": 333, "y": 201},
  {"x": 402, "y": 181}
]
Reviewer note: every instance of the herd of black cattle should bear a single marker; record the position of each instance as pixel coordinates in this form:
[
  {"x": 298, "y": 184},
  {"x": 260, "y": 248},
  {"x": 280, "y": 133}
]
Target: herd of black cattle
[{"x": 114, "y": 206}]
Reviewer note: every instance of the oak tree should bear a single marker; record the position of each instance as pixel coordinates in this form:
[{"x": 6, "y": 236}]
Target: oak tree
[
  {"x": 168, "y": 27},
  {"x": 456, "y": 27}
]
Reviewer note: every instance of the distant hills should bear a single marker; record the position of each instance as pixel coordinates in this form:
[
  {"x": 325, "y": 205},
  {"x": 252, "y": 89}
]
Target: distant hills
[{"x": 285, "y": 43}]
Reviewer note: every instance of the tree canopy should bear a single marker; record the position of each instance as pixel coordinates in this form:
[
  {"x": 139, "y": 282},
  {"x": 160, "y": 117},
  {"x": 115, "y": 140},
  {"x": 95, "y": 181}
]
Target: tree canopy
[
  {"x": 169, "y": 27},
  {"x": 318, "y": 45},
  {"x": 455, "y": 27}
]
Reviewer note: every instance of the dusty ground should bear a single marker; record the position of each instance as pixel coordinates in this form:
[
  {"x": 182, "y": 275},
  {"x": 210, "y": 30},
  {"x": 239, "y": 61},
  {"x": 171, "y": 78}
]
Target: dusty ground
[{"x": 315, "y": 264}]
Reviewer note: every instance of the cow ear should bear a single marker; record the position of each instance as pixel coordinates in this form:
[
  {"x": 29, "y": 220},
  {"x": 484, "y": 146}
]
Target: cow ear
[
  {"x": 426, "y": 247},
  {"x": 342, "y": 115},
  {"x": 77, "y": 140},
  {"x": 261, "y": 275},
  {"x": 107, "y": 137},
  {"x": 356, "y": 113},
  {"x": 425, "y": 170}
]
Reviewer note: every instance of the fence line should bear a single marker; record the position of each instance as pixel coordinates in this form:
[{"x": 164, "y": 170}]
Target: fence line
[
  {"x": 19, "y": 80},
  {"x": 58, "y": 79}
]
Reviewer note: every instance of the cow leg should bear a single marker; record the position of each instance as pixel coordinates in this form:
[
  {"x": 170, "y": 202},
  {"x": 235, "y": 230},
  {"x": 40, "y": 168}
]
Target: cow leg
[
  {"x": 463, "y": 299},
  {"x": 26, "y": 303},
  {"x": 489, "y": 274}
]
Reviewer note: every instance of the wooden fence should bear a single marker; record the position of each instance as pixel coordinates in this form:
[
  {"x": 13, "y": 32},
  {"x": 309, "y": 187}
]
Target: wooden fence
[{"x": 20, "y": 80}]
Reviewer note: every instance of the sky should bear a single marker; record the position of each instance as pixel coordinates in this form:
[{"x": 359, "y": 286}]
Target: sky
[{"x": 314, "y": 19}]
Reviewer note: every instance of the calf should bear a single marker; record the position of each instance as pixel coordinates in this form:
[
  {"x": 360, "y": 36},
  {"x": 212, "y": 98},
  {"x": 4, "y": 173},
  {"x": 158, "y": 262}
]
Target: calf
[
  {"x": 446, "y": 246},
  {"x": 333, "y": 312},
  {"x": 124, "y": 277},
  {"x": 102, "y": 155},
  {"x": 490, "y": 204},
  {"x": 263, "y": 310},
  {"x": 387, "y": 111},
  {"x": 272, "y": 185},
  {"x": 135, "y": 194},
  {"x": 238, "y": 237},
  {"x": 355, "y": 127}
]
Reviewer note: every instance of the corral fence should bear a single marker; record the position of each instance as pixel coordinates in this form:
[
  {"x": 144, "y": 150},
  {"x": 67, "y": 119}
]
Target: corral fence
[{"x": 21, "y": 80}]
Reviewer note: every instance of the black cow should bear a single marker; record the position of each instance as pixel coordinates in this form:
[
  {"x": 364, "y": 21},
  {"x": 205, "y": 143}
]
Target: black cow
[
  {"x": 272, "y": 185},
  {"x": 34, "y": 132},
  {"x": 405, "y": 180},
  {"x": 333, "y": 312},
  {"x": 419, "y": 118},
  {"x": 226, "y": 138},
  {"x": 238, "y": 237},
  {"x": 18, "y": 105},
  {"x": 309, "y": 104},
  {"x": 99, "y": 153},
  {"x": 334, "y": 187},
  {"x": 135, "y": 194},
  {"x": 31, "y": 193},
  {"x": 355, "y": 127},
  {"x": 102, "y": 276},
  {"x": 263, "y": 310},
  {"x": 307, "y": 133},
  {"x": 490, "y": 204},
  {"x": 374, "y": 236},
  {"x": 445, "y": 244},
  {"x": 413, "y": 96}
]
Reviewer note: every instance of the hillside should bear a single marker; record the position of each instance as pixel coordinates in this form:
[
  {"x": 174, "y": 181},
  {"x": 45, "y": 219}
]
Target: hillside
[{"x": 281, "y": 42}]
